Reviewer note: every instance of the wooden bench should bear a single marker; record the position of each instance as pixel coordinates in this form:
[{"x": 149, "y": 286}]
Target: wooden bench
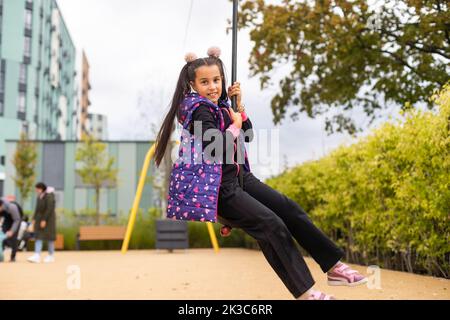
[
  {"x": 100, "y": 233},
  {"x": 59, "y": 242}
]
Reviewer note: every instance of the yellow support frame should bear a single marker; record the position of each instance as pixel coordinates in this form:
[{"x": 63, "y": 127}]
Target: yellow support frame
[{"x": 137, "y": 200}]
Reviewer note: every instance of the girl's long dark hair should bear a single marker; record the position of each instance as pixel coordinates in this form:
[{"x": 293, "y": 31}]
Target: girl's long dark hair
[{"x": 187, "y": 75}]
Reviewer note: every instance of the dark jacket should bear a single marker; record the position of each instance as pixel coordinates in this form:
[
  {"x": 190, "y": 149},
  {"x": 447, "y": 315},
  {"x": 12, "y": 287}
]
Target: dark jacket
[{"x": 45, "y": 211}]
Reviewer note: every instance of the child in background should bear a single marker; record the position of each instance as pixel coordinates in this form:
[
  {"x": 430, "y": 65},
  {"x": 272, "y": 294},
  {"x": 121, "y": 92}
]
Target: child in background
[
  {"x": 24, "y": 235},
  {"x": 2, "y": 237}
]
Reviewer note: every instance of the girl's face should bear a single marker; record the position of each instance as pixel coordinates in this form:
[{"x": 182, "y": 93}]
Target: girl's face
[{"x": 208, "y": 82}]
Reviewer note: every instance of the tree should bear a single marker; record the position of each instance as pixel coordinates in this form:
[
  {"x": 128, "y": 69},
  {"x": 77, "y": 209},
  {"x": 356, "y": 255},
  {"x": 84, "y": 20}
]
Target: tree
[
  {"x": 25, "y": 158},
  {"x": 97, "y": 168},
  {"x": 346, "y": 54}
]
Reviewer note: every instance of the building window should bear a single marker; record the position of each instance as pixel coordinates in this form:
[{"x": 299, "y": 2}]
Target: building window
[
  {"x": 28, "y": 19},
  {"x": 21, "y": 102},
  {"x": 25, "y": 128},
  {"x": 23, "y": 74},
  {"x": 27, "y": 47},
  {"x": 28, "y": 32}
]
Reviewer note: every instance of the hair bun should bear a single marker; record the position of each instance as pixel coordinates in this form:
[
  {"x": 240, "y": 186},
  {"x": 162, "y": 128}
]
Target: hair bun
[
  {"x": 214, "y": 52},
  {"x": 190, "y": 56}
]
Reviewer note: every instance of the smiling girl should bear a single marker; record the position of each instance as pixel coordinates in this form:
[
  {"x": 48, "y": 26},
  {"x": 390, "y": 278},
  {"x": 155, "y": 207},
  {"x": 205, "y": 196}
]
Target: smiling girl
[{"x": 204, "y": 182}]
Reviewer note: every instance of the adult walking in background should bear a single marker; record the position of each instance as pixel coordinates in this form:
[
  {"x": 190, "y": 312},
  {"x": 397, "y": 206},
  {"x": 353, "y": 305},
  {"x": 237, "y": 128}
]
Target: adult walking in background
[{"x": 44, "y": 223}]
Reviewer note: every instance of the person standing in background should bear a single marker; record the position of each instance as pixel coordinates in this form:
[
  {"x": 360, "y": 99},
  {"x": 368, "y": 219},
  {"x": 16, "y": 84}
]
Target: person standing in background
[{"x": 44, "y": 223}]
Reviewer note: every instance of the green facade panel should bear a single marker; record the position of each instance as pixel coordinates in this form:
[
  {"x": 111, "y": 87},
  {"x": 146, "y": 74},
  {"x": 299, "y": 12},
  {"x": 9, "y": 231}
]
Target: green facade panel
[
  {"x": 113, "y": 150},
  {"x": 90, "y": 194},
  {"x": 9, "y": 130},
  {"x": 80, "y": 200},
  {"x": 69, "y": 172},
  {"x": 11, "y": 90},
  {"x": 12, "y": 33},
  {"x": 126, "y": 177},
  {"x": 147, "y": 194}
]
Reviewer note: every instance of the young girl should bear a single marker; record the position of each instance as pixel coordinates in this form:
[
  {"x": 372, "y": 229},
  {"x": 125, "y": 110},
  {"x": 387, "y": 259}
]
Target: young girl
[{"x": 204, "y": 183}]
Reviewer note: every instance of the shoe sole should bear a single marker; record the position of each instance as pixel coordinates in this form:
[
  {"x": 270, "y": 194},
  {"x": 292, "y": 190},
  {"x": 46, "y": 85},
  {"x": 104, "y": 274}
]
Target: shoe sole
[
  {"x": 337, "y": 283},
  {"x": 31, "y": 261}
]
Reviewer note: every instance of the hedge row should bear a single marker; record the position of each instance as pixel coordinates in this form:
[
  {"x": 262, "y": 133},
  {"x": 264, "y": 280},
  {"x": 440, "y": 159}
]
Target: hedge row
[{"x": 386, "y": 198}]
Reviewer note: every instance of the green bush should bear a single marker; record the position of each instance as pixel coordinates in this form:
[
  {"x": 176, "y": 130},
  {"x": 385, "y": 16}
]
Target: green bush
[{"x": 386, "y": 198}]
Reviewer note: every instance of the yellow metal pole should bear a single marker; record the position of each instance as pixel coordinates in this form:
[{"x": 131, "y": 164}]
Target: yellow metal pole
[
  {"x": 212, "y": 235},
  {"x": 137, "y": 198}
]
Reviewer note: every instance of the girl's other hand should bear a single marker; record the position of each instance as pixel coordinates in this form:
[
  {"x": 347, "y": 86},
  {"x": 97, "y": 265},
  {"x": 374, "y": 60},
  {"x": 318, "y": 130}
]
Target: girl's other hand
[
  {"x": 235, "y": 90},
  {"x": 237, "y": 118}
]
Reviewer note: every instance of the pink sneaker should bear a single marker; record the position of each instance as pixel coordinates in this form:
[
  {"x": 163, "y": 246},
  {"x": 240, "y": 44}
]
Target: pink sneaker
[
  {"x": 343, "y": 275},
  {"x": 317, "y": 295}
]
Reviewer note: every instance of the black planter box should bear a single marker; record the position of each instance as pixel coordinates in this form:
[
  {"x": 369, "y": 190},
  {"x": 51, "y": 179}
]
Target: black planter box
[{"x": 171, "y": 235}]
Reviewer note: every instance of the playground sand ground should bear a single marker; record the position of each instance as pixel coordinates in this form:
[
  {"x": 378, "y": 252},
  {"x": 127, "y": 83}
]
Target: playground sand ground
[{"x": 231, "y": 274}]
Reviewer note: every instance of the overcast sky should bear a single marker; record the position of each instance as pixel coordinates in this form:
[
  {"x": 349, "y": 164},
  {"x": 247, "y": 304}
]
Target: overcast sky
[{"x": 135, "y": 50}]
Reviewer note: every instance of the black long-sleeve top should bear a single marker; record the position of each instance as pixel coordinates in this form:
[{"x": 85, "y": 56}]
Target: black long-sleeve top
[{"x": 230, "y": 169}]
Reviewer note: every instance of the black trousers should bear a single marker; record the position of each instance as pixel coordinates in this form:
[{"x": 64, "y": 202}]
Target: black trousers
[
  {"x": 12, "y": 243},
  {"x": 273, "y": 219}
]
